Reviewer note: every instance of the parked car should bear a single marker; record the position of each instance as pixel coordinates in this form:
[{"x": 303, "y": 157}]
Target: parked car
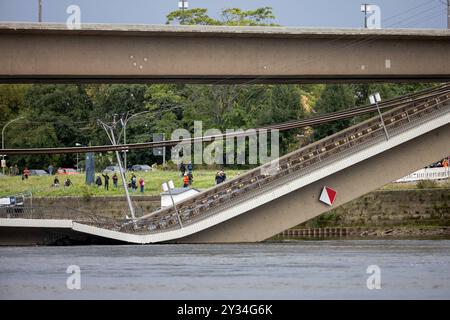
[
  {"x": 38, "y": 172},
  {"x": 141, "y": 167},
  {"x": 111, "y": 169},
  {"x": 67, "y": 171}
]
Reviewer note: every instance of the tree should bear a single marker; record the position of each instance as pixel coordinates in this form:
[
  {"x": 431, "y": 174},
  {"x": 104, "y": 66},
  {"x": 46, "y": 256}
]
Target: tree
[
  {"x": 197, "y": 16},
  {"x": 238, "y": 17},
  {"x": 12, "y": 100},
  {"x": 229, "y": 17},
  {"x": 333, "y": 98}
]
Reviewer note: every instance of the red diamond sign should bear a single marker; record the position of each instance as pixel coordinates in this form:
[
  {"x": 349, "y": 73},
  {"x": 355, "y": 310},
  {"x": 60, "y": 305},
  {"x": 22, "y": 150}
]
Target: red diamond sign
[{"x": 328, "y": 195}]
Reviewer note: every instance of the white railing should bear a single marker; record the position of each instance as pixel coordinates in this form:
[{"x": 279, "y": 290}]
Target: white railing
[{"x": 427, "y": 174}]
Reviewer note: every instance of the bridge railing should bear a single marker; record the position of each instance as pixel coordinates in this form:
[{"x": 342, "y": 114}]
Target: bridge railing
[
  {"x": 291, "y": 166},
  {"x": 58, "y": 213}
]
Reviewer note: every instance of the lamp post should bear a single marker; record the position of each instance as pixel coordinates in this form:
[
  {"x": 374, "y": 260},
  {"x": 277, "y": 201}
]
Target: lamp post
[
  {"x": 3, "y": 138},
  {"x": 365, "y": 8},
  {"x": 40, "y": 10},
  {"x": 183, "y": 5},
  {"x": 78, "y": 145},
  {"x": 374, "y": 99},
  {"x": 124, "y": 123},
  {"x": 448, "y": 14}
]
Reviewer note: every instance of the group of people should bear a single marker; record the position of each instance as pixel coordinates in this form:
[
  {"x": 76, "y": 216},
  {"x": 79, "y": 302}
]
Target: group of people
[
  {"x": 442, "y": 163},
  {"x": 67, "y": 183},
  {"x": 99, "y": 183},
  {"x": 134, "y": 182},
  {"x": 131, "y": 185},
  {"x": 12, "y": 170},
  {"x": 186, "y": 173}
]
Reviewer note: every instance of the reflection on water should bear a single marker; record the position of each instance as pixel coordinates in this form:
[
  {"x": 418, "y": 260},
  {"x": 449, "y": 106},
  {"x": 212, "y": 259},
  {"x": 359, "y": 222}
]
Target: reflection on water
[{"x": 288, "y": 270}]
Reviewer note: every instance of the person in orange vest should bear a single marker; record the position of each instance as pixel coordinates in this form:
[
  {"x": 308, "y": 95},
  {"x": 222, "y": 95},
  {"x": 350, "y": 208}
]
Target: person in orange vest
[
  {"x": 26, "y": 173},
  {"x": 185, "y": 181},
  {"x": 445, "y": 163}
]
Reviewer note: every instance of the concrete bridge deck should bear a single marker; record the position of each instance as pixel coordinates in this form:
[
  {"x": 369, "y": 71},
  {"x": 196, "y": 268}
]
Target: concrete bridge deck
[{"x": 219, "y": 54}]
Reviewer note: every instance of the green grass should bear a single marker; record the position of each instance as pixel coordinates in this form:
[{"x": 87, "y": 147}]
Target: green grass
[
  {"x": 445, "y": 184},
  {"x": 40, "y": 186}
]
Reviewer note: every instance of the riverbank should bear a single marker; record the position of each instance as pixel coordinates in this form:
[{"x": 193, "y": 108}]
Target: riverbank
[
  {"x": 349, "y": 233},
  {"x": 40, "y": 186},
  {"x": 400, "y": 211}
]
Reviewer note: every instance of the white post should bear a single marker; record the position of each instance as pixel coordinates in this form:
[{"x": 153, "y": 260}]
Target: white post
[
  {"x": 375, "y": 98},
  {"x": 169, "y": 186},
  {"x": 124, "y": 183}
]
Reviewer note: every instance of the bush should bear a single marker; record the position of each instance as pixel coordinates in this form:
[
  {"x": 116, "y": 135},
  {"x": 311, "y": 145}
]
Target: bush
[
  {"x": 427, "y": 184},
  {"x": 86, "y": 193}
]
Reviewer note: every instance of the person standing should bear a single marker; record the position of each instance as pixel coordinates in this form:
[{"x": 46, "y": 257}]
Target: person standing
[
  {"x": 190, "y": 167},
  {"x": 26, "y": 173},
  {"x": 50, "y": 169},
  {"x": 133, "y": 183},
  {"x": 115, "y": 179},
  {"x": 224, "y": 176},
  {"x": 182, "y": 168},
  {"x": 106, "y": 177},
  {"x": 191, "y": 178},
  {"x": 98, "y": 182},
  {"x": 185, "y": 181},
  {"x": 142, "y": 184},
  {"x": 218, "y": 177},
  {"x": 16, "y": 170}
]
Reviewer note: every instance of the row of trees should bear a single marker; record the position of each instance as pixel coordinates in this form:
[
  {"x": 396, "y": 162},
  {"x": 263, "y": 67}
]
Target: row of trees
[{"x": 66, "y": 115}]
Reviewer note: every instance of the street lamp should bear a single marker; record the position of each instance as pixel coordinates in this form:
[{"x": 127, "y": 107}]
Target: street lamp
[
  {"x": 40, "y": 10},
  {"x": 3, "y": 139},
  {"x": 365, "y": 8},
  {"x": 374, "y": 99},
  {"x": 124, "y": 125},
  {"x": 78, "y": 145},
  {"x": 183, "y": 5}
]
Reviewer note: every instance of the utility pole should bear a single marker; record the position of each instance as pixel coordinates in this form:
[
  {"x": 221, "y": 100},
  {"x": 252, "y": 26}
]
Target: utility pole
[
  {"x": 448, "y": 14},
  {"x": 364, "y": 9},
  {"x": 109, "y": 129},
  {"x": 40, "y": 10}
]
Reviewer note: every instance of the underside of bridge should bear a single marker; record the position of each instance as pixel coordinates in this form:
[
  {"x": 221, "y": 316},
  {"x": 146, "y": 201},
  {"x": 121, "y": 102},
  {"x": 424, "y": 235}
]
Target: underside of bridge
[
  {"x": 303, "y": 204},
  {"x": 219, "y": 55}
]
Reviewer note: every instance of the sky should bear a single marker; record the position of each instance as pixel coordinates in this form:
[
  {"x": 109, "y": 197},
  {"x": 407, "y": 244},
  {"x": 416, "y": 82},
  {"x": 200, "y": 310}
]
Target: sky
[{"x": 299, "y": 13}]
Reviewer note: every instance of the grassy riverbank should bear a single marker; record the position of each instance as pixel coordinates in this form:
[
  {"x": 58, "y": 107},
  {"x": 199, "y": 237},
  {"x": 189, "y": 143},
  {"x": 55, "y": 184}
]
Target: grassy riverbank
[{"x": 41, "y": 186}]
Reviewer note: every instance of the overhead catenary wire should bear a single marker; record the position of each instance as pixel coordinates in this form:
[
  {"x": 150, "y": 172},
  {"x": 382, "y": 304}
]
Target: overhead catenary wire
[{"x": 348, "y": 113}]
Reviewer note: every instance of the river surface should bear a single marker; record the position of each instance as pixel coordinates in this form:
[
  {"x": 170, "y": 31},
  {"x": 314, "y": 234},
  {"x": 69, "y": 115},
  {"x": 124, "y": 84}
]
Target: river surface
[{"x": 409, "y": 269}]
